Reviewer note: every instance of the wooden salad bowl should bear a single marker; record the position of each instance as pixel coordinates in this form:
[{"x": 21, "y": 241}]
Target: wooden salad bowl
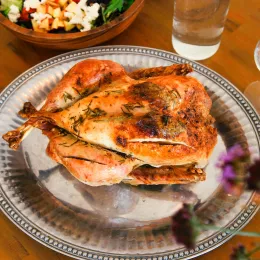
[{"x": 76, "y": 40}]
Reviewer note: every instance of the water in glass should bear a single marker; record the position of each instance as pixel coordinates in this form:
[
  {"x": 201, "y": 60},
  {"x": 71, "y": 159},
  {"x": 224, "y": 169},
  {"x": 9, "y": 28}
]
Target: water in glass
[
  {"x": 252, "y": 91},
  {"x": 197, "y": 27}
]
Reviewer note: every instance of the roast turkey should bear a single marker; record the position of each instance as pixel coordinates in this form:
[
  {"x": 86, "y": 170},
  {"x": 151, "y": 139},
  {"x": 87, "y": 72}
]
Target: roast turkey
[{"x": 151, "y": 126}]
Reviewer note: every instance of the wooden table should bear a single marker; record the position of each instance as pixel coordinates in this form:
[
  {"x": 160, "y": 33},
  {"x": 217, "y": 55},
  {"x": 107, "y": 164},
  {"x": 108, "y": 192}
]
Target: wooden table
[{"x": 152, "y": 28}]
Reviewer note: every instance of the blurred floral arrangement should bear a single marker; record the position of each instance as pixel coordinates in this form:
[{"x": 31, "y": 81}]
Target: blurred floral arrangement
[{"x": 238, "y": 174}]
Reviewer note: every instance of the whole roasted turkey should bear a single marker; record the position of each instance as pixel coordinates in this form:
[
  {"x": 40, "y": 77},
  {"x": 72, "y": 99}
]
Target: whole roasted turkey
[{"x": 105, "y": 126}]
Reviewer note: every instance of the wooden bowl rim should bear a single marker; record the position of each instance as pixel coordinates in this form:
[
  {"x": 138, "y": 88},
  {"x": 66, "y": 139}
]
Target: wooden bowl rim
[{"x": 66, "y": 36}]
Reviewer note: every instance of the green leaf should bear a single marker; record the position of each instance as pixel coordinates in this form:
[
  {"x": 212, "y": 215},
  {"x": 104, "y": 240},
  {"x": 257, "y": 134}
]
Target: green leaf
[
  {"x": 103, "y": 14},
  {"x": 4, "y": 4},
  {"x": 113, "y": 6},
  {"x": 6, "y": 11},
  {"x": 127, "y": 4}
]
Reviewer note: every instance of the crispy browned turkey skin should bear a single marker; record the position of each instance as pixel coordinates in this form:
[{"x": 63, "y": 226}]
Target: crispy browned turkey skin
[{"x": 104, "y": 125}]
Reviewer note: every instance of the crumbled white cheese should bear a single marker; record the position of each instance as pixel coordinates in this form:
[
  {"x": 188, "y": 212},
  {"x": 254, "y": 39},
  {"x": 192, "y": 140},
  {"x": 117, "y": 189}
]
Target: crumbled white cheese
[
  {"x": 83, "y": 15},
  {"x": 82, "y": 5},
  {"x": 14, "y": 13},
  {"x": 38, "y": 17},
  {"x": 31, "y": 4},
  {"x": 92, "y": 12},
  {"x": 86, "y": 24},
  {"x": 76, "y": 20},
  {"x": 68, "y": 15}
]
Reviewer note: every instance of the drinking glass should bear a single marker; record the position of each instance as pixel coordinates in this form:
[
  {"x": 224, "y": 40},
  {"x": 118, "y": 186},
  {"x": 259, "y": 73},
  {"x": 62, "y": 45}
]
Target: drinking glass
[
  {"x": 252, "y": 92},
  {"x": 197, "y": 27}
]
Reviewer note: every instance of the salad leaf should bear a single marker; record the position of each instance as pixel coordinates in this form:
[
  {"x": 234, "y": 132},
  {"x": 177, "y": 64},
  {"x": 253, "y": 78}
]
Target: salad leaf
[
  {"x": 127, "y": 4},
  {"x": 5, "y": 5},
  {"x": 103, "y": 14},
  {"x": 6, "y": 11},
  {"x": 113, "y": 6}
]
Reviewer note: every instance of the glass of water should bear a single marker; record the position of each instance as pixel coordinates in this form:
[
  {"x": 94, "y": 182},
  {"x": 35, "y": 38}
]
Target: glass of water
[
  {"x": 197, "y": 27},
  {"x": 252, "y": 91}
]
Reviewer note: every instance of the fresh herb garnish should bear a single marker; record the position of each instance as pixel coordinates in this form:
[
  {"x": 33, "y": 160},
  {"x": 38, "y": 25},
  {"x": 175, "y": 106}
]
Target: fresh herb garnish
[
  {"x": 63, "y": 144},
  {"x": 88, "y": 113},
  {"x": 93, "y": 113},
  {"x": 127, "y": 113},
  {"x": 67, "y": 96},
  {"x": 129, "y": 107},
  {"x": 132, "y": 106},
  {"x": 62, "y": 132},
  {"x": 76, "y": 90},
  {"x": 165, "y": 119},
  {"x": 72, "y": 118},
  {"x": 78, "y": 122},
  {"x": 69, "y": 145},
  {"x": 96, "y": 112}
]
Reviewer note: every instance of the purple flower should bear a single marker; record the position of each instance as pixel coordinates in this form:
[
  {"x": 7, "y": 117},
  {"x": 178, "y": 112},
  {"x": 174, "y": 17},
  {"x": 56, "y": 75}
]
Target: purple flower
[
  {"x": 233, "y": 165},
  {"x": 233, "y": 154},
  {"x": 185, "y": 226},
  {"x": 239, "y": 253},
  {"x": 253, "y": 180},
  {"x": 228, "y": 173},
  {"x": 228, "y": 178}
]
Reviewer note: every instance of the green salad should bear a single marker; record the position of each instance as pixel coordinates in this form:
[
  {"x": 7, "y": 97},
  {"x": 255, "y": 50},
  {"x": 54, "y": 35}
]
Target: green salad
[{"x": 57, "y": 16}]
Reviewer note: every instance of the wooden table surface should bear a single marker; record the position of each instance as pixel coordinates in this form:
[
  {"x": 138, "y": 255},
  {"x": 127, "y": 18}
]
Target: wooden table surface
[{"x": 153, "y": 28}]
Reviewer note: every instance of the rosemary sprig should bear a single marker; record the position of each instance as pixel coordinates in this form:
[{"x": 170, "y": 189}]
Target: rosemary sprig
[
  {"x": 88, "y": 113},
  {"x": 62, "y": 132},
  {"x": 63, "y": 143},
  {"x": 176, "y": 93},
  {"x": 76, "y": 91},
  {"x": 165, "y": 119},
  {"x": 93, "y": 113},
  {"x": 129, "y": 107},
  {"x": 126, "y": 113},
  {"x": 132, "y": 106},
  {"x": 67, "y": 96},
  {"x": 72, "y": 118},
  {"x": 78, "y": 122},
  {"x": 69, "y": 145},
  {"x": 96, "y": 112}
]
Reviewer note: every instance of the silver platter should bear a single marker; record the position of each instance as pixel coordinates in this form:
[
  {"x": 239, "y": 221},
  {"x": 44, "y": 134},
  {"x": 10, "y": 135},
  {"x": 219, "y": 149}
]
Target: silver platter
[{"x": 121, "y": 221}]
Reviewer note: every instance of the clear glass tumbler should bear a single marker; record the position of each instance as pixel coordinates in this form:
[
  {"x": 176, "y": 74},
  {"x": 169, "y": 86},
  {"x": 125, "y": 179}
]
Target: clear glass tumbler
[
  {"x": 252, "y": 91},
  {"x": 197, "y": 27}
]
